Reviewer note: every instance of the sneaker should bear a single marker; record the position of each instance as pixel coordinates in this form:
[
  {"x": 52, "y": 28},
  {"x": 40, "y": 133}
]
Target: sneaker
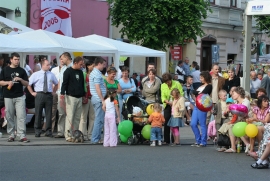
[
  {"x": 153, "y": 143},
  {"x": 10, "y": 139},
  {"x": 159, "y": 143},
  {"x": 24, "y": 140},
  {"x": 260, "y": 166},
  {"x": 195, "y": 145}
]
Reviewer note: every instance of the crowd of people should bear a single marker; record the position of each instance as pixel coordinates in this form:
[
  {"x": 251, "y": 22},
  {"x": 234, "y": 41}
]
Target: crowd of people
[{"x": 91, "y": 102}]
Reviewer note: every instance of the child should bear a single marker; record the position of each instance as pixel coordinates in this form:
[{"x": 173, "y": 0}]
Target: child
[
  {"x": 156, "y": 119},
  {"x": 222, "y": 113},
  {"x": 221, "y": 109},
  {"x": 110, "y": 107},
  {"x": 178, "y": 111}
]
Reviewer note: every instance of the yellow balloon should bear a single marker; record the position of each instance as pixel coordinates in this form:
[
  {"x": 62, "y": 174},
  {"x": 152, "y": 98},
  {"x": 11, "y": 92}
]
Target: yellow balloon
[
  {"x": 251, "y": 130},
  {"x": 225, "y": 75},
  {"x": 150, "y": 109},
  {"x": 78, "y": 54}
]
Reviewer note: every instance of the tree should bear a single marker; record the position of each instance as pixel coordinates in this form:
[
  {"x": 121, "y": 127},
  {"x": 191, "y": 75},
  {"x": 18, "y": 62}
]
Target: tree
[
  {"x": 159, "y": 23},
  {"x": 263, "y": 23}
]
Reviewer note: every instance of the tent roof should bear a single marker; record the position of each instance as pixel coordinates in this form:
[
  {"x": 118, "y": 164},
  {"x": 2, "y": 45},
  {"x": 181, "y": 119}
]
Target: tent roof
[
  {"x": 67, "y": 43},
  {"x": 10, "y": 44},
  {"x": 11, "y": 27},
  {"x": 124, "y": 49}
]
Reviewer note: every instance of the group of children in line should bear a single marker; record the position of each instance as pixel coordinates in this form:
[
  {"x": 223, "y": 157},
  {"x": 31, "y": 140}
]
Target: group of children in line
[{"x": 156, "y": 119}]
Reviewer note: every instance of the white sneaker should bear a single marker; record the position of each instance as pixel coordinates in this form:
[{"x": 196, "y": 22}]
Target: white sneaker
[
  {"x": 159, "y": 143},
  {"x": 153, "y": 143}
]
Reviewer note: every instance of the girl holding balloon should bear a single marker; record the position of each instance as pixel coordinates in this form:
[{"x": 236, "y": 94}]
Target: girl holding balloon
[
  {"x": 238, "y": 94},
  {"x": 199, "y": 116},
  {"x": 260, "y": 117}
]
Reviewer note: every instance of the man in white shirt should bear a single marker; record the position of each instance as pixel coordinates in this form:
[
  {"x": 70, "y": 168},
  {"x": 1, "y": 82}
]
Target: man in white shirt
[
  {"x": 43, "y": 82},
  {"x": 255, "y": 84},
  {"x": 56, "y": 72},
  {"x": 179, "y": 71},
  {"x": 196, "y": 77}
]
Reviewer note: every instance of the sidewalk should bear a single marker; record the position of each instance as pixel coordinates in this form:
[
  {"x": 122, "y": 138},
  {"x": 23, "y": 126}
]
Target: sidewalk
[{"x": 186, "y": 138}]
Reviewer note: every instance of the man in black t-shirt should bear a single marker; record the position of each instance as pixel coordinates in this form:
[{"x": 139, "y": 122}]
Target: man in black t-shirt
[
  {"x": 72, "y": 90},
  {"x": 13, "y": 78}
]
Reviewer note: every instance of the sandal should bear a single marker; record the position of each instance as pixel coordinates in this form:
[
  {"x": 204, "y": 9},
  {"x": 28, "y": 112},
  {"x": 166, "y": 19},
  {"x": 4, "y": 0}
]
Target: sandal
[
  {"x": 221, "y": 149},
  {"x": 230, "y": 150}
]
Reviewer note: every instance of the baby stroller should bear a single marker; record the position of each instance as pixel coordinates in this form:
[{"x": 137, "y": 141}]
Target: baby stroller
[{"x": 138, "y": 121}]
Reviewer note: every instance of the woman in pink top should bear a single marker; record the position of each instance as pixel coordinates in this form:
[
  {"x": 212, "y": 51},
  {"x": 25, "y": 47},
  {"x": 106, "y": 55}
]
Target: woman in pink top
[{"x": 261, "y": 116}]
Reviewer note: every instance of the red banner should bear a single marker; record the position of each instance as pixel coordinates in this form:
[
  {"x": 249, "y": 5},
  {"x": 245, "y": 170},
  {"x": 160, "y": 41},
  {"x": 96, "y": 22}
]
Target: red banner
[
  {"x": 176, "y": 52},
  {"x": 56, "y": 16}
]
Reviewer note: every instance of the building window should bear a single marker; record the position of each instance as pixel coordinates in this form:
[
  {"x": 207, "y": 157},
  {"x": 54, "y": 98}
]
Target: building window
[
  {"x": 212, "y": 1},
  {"x": 233, "y": 3}
]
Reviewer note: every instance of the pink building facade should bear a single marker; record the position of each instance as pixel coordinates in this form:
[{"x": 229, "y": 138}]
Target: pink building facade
[{"x": 87, "y": 17}]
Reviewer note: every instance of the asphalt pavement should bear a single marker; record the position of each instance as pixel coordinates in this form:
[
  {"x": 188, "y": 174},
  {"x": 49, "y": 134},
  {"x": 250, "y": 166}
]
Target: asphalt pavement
[{"x": 55, "y": 159}]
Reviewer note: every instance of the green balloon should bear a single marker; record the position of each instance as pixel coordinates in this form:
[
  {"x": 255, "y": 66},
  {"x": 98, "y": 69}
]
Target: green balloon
[
  {"x": 123, "y": 138},
  {"x": 239, "y": 129},
  {"x": 125, "y": 128},
  {"x": 146, "y": 132}
]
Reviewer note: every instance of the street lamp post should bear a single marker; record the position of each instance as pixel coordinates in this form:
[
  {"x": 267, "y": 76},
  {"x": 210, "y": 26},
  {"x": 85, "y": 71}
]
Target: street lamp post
[{"x": 258, "y": 39}]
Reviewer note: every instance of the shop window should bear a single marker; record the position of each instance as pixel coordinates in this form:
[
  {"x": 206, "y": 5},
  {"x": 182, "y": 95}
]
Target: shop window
[{"x": 267, "y": 49}]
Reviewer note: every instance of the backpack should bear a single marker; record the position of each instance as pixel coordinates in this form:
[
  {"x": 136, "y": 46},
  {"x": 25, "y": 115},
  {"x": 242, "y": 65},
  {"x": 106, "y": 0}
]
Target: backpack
[{"x": 158, "y": 93}]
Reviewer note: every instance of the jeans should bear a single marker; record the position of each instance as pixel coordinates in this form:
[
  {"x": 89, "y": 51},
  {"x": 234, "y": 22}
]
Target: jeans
[
  {"x": 156, "y": 134},
  {"x": 98, "y": 123},
  {"x": 199, "y": 117}
]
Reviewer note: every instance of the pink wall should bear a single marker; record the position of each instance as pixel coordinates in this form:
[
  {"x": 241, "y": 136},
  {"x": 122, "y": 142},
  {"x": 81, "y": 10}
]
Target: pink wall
[{"x": 87, "y": 17}]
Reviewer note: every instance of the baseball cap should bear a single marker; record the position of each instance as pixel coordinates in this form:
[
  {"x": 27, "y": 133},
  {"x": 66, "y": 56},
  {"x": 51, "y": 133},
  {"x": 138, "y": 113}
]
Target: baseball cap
[{"x": 229, "y": 100}]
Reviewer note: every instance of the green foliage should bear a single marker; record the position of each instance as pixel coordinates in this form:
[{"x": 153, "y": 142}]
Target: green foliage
[
  {"x": 159, "y": 23},
  {"x": 263, "y": 23}
]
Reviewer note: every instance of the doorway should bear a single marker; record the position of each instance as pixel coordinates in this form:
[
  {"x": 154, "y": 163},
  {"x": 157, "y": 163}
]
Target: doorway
[{"x": 206, "y": 53}]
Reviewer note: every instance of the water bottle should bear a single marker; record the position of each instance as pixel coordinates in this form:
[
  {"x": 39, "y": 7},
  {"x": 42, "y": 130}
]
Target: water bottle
[{"x": 238, "y": 147}]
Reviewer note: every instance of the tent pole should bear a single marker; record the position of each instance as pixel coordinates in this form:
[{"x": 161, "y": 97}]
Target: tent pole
[
  {"x": 247, "y": 53},
  {"x": 131, "y": 65},
  {"x": 163, "y": 64},
  {"x": 116, "y": 59}
]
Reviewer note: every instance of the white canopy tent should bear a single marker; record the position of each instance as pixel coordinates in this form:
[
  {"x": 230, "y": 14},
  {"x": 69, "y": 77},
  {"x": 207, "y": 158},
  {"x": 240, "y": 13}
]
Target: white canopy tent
[
  {"x": 68, "y": 44},
  {"x": 9, "y": 44},
  {"x": 257, "y": 7},
  {"x": 11, "y": 27},
  {"x": 126, "y": 49}
]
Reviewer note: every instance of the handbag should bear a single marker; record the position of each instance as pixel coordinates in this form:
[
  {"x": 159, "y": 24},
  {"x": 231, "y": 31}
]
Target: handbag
[
  {"x": 84, "y": 100},
  {"x": 223, "y": 140}
]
